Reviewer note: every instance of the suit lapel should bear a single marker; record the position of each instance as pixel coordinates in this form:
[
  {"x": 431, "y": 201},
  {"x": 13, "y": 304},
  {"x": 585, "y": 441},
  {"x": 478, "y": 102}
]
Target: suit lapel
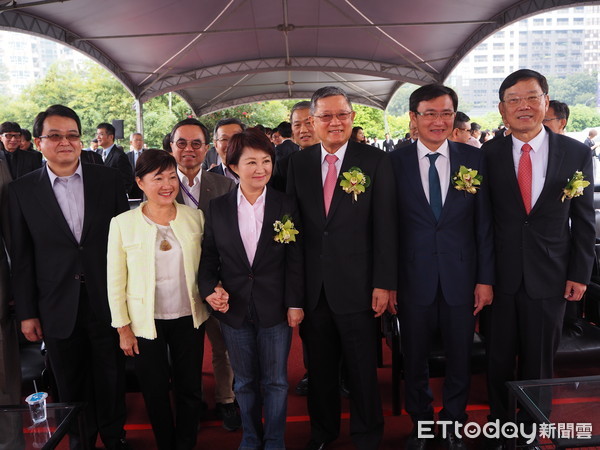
[
  {"x": 506, "y": 166},
  {"x": 207, "y": 187},
  {"x": 314, "y": 180},
  {"x": 455, "y": 159},
  {"x": 351, "y": 159},
  {"x": 555, "y": 157},
  {"x": 49, "y": 203},
  {"x": 413, "y": 178},
  {"x": 91, "y": 195},
  {"x": 272, "y": 208},
  {"x": 234, "y": 226}
]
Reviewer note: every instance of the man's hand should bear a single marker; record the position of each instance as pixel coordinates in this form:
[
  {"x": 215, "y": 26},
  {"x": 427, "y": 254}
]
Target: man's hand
[
  {"x": 392, "y": 306},
  {"x": 574, "y": 291},
  {"x": 127, "y": 341},
  {"x": 219, "y": 300},
  {"x": 484, "y": 294},
  {"x": 32, "y": 329},
  {"x": 295, "y": 316},
  {"x": 380, "y": 300}
]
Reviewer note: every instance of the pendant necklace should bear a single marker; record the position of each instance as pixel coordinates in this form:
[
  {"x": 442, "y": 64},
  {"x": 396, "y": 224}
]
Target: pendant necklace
[{"x": 164, "y": 244}]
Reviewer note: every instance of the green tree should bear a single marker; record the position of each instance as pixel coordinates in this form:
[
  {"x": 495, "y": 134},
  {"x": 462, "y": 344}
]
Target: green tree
[
  {"x": 574, "y": 89},
  {"x": 582, "y": 117}
]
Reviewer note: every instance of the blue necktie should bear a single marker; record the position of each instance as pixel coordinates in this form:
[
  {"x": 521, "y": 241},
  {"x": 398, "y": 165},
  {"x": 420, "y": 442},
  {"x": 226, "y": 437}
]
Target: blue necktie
[{"x": 435, "y": 190}]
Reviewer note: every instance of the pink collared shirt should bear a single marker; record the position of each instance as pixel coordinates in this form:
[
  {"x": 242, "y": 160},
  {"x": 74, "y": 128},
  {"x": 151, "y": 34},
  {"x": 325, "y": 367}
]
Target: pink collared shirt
[{"x": 250, "y": 221}]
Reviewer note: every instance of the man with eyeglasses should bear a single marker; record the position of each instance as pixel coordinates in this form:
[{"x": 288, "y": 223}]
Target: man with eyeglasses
[
  {"x": 445, "y": 258},
  {"x": 350, "y": 266},
  {"x": 461, "y": 131},
  {"x": 544, "y": 239},
  {"x": 557, "y": 116},
  {"x": 59, "y": 234},
  {"x": 189, "y": 144},
  {"x": 224, "y": 129},
  {"x": 19, "y": 163},
  {"x": 113, "y": 155}
]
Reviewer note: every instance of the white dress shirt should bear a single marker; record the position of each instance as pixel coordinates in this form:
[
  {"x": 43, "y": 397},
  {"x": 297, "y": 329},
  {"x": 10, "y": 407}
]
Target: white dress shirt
[
  {"x": 442, "y": 164},
  {"x": 338, "y": 164},
  {"x": 539, "y": 161},
  {"x": 194, "y": 189}
]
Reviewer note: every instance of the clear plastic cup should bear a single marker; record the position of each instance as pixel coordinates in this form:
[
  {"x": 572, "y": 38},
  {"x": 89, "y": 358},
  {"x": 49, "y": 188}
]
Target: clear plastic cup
[{"x": 37, "y": 406}]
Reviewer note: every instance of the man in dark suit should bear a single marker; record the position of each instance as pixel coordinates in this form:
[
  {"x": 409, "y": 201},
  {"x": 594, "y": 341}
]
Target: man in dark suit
[
  {"x": 350, "y": 268},
  {"x": 58, "y": 253},
  {"x": 136, "y": 145},
  {"x": 388, "y": 143},
  {"x": 11, "y": 435},
  {"x": 198, "y": 187},
  {"x": 287, "y": 146},
  {"x": 544, "y": 238},
  {"x": 113, "y": 155},
  {"x": 446, "y": 266},
  {"x": 224, "y": 129},
  {"x": 19, "y": 163},
  {"x": 412, "y": 137}
]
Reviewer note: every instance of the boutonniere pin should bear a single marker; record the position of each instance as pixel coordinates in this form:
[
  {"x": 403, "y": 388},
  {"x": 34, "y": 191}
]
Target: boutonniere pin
[
  {"x": 285, "y": 231},
  {"x": 575, "y": 186},
  {"x": 354, "y": 182},
  {"x": 467, "y": 180}
]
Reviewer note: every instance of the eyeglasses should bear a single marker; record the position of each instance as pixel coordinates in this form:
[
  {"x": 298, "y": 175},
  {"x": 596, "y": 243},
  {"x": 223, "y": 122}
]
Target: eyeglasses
[
  {"x": 9, "y": 136},
  {"x": 468, "y": 130},
  {"x": 434, "y": 115},
  {"x": 530, "y": 100},
  {"x": 222, "y": 140},
  {"x": 102, "y": 135},
  {"x": 182, "y": 144},
  {"x": 340, "y": 116},
  {"x": 551, "y": 118},
  {"x": 55, "y": 137}
]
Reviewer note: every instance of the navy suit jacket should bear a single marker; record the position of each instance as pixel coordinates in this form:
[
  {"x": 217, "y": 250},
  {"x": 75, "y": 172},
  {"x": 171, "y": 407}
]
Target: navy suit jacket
[
  {"x": 457, "y": 250},
  {"x": 273, "y": 282},
  {"x": 555, "y": 241}
]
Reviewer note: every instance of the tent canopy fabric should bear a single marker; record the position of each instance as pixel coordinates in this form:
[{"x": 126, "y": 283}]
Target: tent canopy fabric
[{"x": 221, "y": 53}]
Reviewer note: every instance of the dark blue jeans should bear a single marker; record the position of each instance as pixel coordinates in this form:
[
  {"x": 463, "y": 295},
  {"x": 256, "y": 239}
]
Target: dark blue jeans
[{"x": 259, "y": 357}]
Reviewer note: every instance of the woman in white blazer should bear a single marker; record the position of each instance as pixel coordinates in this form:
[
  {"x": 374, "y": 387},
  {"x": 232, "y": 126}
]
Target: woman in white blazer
[{"x": 153, "y": 257}]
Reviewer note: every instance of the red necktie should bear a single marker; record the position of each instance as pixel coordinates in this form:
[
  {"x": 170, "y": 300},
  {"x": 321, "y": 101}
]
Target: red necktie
[
  {"x": 330, "y": 179},
  {"x": 524, "y": 176}
]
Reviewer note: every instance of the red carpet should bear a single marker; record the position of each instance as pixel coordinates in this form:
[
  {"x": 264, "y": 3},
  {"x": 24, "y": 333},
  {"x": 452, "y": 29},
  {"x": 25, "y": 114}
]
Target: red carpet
[{"x": 397, "y": 428}]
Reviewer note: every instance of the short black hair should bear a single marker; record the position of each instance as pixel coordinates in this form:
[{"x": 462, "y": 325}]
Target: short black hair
[
  {"x": 250, "y": 138},
  {"x": 195, "y": 122},
  {"x": 166, "y": 143},
  {"x": 520, "y": 75},
  {"x": 475, "y": 126},
  {"x": 151, "y": 160},
  {"x": 561, "y": 110},
  {"x": 26, "y": 134},
  {"x": 229, "y": 121},
  {"x": 54, "y": 110},
  {"x": 284, "y": 129},
  {"x": 10, "y": 127},
  {"x": 429, "y": 92},
  {"x": 460, "y": 118},
  {"x": 110, "y": 130}
]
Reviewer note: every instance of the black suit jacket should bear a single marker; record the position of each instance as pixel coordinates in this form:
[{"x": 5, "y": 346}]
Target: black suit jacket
[
  {"x": 388, "y": 145},
  {"x": 48, "y": 262},
  {"x": 91, "y": 157},
  {"x": 272, "y": 283},
  {"x": 25, "y": 162},
  {"x": 211, "y": 186},
  {"x": 353, "y": 249},
  {"x": 457, "y": 249},
  {"x": 117, "y": 159},
  {"x": 218, "y": 169},
  {"x": 555, "y": 241},
  {"x": 286, "y": 148}
]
